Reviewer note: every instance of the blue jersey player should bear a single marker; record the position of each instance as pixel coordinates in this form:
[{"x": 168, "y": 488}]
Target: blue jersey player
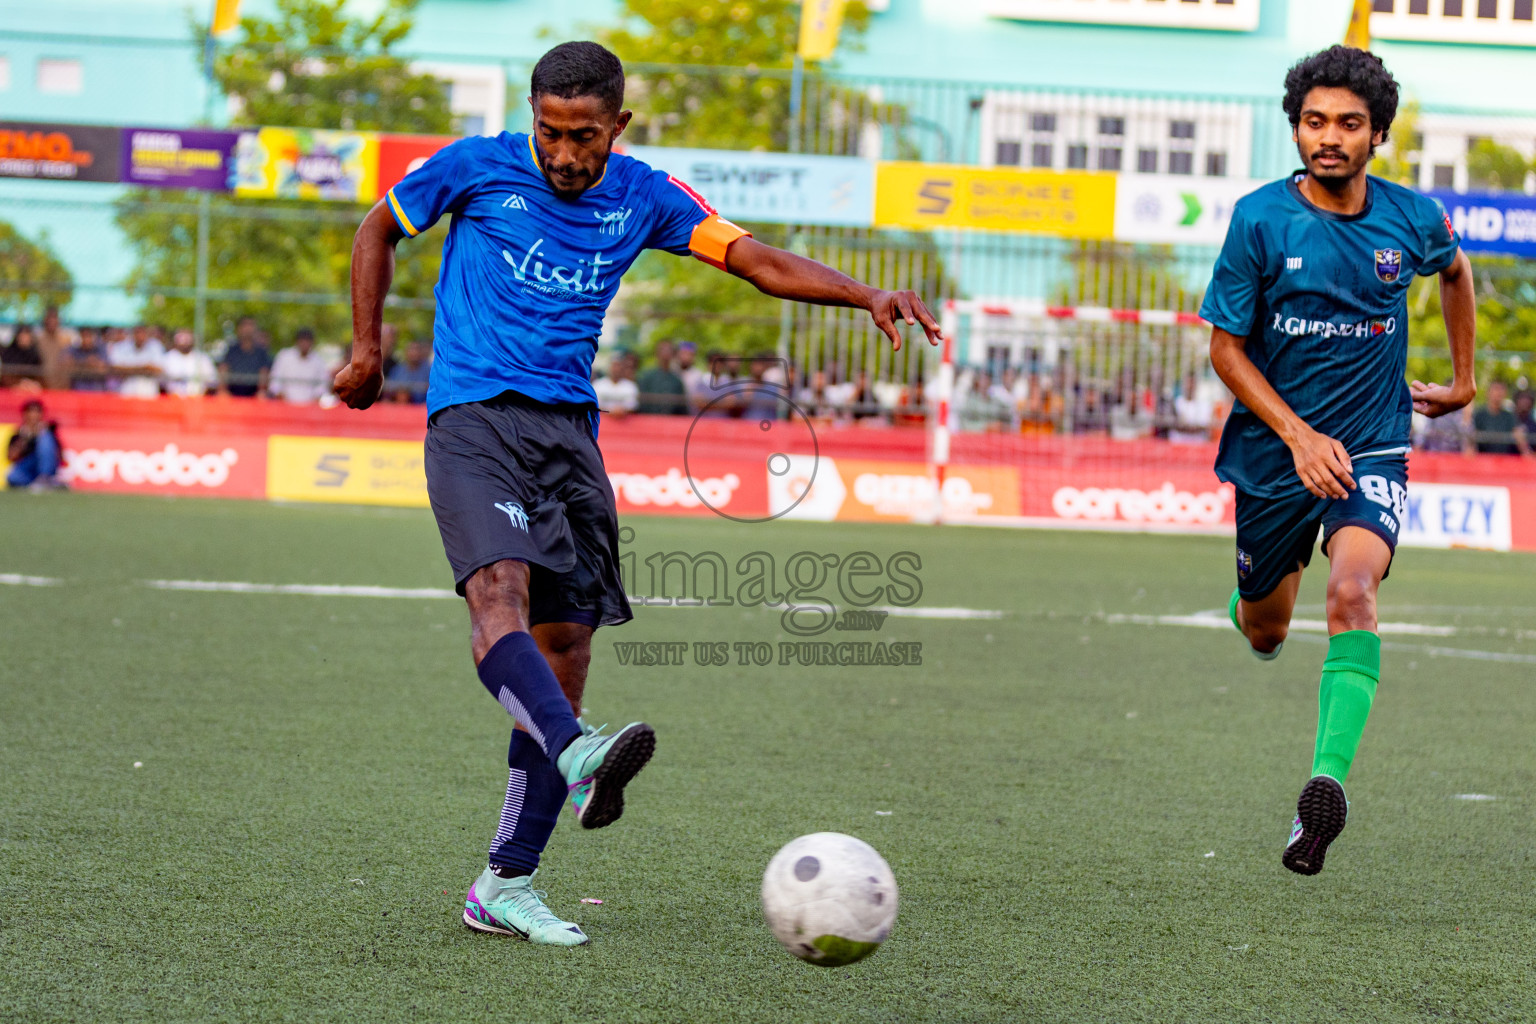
[
  {"x": 544, "y": 225},
  {"x": 1309, "y": 307}
]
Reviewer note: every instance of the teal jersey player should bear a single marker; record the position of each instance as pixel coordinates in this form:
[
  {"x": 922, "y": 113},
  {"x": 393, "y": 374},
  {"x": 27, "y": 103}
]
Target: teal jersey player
[
  {"x": 1321, "y": 299},
  {"x": 1308, "y": 306}
]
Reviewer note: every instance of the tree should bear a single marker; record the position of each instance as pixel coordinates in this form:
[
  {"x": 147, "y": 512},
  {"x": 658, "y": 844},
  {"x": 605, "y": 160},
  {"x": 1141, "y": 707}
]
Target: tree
[
  {"x": 1399, "y": 159},
  {"x": 310, "y": 66},
  {"x": 1492, "y": 167},
  {"x": 32, "y": 277},
  {"x": 1506, "y": 321}
]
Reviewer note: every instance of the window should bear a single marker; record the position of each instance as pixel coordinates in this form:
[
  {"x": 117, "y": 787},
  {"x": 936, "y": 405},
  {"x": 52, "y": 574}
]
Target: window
[
  {"x": 477, "y": 94},
  {"x": 5, "y": 73},
  {"x": 1227, "y": 15},
  {"x": 1446, "y": 140},
  {"x": 1445, "y": 175},
  {"x": 60, "y": 77},
  {"x": 1489, "y": 22},
  {"x": 1115, "y": 133}
]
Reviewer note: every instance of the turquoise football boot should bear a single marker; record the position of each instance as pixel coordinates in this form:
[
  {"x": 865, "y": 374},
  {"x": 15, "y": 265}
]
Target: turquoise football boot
[{"x": 511, "y": 906}]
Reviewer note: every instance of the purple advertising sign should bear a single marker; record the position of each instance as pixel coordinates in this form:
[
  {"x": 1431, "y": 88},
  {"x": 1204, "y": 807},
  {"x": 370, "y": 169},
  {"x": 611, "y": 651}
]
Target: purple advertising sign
[{"x": 178, "y": 158}]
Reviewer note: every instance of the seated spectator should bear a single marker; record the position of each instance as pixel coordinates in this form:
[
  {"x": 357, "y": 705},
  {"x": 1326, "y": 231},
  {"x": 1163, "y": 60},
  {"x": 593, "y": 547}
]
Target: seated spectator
[
  {"x": 1449, "y": 433},
  {"x": 247, "y": 366},
  {"x": 662, "y": 391},
  {"x": 766, "y": 399},
  {"x": 389, "y": 349},
  {"x": 299, "y": 374},
  {"x": 911, "y": 406},
  {"x": 1525, "y": 412},
  {"x": 34, "y": 451},
  {"x": 617, "y": 393},
  {"x": 135, "y": 362},
  {"x": 21, "y": 362},
  {"x": 1043, "y": 407},
  {"x": 53, "y": 341},
  {"x": 1090, "y": 415},
  {"x": 975, "y": 407},
  {"x": 712, "y": 395},
  {"x": 1193, "y": 414},
  {"x": 186, "y": 371},
  {"x": 85, "y": 362},
  {"x": 1495, "y": 427},
  {"x": 407, "y": 382}
]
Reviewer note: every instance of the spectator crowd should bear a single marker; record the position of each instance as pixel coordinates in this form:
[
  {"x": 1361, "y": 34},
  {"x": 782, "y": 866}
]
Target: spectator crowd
[{"x": 148, "y": 360}]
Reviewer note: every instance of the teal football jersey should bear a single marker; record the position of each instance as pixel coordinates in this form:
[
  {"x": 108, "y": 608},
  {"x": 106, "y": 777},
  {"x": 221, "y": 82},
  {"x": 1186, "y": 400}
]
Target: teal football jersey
[{"x": 1321, "y": 299}]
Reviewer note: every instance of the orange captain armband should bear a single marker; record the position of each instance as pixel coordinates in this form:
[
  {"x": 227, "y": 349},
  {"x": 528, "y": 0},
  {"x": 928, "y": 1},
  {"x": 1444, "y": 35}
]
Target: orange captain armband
[{"x": 712, "y": 238}]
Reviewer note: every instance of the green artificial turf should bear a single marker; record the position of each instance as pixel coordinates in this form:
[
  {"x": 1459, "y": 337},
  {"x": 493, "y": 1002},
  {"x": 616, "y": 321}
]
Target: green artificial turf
[{"x": 1085, "y": 814}]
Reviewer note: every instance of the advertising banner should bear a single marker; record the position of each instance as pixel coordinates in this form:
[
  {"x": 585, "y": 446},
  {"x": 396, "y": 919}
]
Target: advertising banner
[
  {"x": 1502, "y": 223},
  {"x": 59, "y": 152},
  {"x": 346, "y": 469},
  {"x": 164, "y": 462},
  {"x": 659, "y": 485},
  {"x": 774, "y": 188},
  {"x": 1457, "y": 516},
  {"x": 399, "y": 155},
  {"x": 1165, "y": 209},
  {"x": 173, "y": 158},
  {"x": 304, "y": 163},
  {"x": 1072, "y": 204},
  {"x": 840, "y": 489}
]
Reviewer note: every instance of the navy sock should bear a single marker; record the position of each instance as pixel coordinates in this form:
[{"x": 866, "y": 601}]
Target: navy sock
[
  {"x": 535, "y": 794},
  {"x": 518, "y": 676}
]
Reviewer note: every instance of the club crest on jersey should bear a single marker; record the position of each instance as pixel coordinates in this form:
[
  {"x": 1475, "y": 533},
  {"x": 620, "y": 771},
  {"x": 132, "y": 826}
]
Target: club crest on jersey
[
  {"x": 1244, "y": 564},
  {"x": 1389, "y": 264},
  {"x": 614, "y": 221}
]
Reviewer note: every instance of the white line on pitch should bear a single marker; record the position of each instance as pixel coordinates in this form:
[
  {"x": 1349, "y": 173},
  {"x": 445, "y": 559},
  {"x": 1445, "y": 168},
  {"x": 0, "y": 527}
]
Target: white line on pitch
[
  {"x": 12, "y": 579},
  {"x": 341, "y": 590},
  {"x": 1219, "y": 620},
  {"x": 311, "y": 589}
]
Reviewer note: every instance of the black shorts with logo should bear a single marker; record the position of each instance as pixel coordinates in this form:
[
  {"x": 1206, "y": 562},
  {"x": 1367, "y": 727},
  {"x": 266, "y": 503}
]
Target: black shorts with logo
[
  {"x": 1275, "y": 536},
  {"x": 511, "y": 478}
]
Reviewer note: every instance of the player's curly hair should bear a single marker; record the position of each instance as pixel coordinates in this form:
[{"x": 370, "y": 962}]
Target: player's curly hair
[
  {"x": 580, "y": 69},
  {"x": 1344, "y": 67}
]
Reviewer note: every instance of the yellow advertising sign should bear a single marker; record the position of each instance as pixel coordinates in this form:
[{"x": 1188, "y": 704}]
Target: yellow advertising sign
[
  {"x": 226, "y": 16},
  {"x": 820, "y": 23},
  {"x": 346, "y": 469},
  {"x": 1073, "y": 204},
  {"x": 307, "y": 163}
]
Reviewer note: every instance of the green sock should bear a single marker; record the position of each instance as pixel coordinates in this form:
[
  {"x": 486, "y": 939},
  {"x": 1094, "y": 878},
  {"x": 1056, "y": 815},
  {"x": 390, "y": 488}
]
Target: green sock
[
  {"x": 1350, "y": 674},
  {"x": 1237, "y": 595}
]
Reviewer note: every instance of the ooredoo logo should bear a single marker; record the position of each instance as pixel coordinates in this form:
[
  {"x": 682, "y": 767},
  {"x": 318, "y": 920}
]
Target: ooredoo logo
[
  {"x": 1164, "y": 505},
  {"x": 170, "y": 465},
  {"x": 673, "y": 488}
]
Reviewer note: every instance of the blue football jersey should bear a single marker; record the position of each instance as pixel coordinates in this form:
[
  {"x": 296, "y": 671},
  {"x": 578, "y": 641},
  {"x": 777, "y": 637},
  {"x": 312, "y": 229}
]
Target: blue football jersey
[
  {"x": 1322, "y": 300},
  {"x": 527, "y": 276}
]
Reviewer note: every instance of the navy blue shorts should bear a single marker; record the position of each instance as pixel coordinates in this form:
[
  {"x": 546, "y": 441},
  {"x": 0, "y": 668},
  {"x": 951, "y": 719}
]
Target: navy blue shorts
[
  {"x": 511, "y": 478},
  {"x": 1275, "y": 536}
]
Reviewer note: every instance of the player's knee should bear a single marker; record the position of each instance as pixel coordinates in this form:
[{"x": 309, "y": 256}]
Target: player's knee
[{"x": 1351, "y": 598}]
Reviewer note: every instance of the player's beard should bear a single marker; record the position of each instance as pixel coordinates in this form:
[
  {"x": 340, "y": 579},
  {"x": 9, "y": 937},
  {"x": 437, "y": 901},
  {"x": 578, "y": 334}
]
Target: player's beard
[
  {"x": 572, "y": 192},
  {"x": 1338, "y": 176}
]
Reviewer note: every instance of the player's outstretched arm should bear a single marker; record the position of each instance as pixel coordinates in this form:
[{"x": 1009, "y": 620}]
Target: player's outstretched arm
[
  {"x": 1458, "y": 304},
  {"x": 787, "y": 276},
  {"x": 373, "y": 270},
  {"x": 1321, "y": 462}
]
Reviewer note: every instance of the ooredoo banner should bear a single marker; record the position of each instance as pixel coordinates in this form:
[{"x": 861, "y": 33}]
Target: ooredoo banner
[
  {"x": 154, "y": 462},
  {"x": 59, "y": 152},
  {"x": 399, "y": 155}
]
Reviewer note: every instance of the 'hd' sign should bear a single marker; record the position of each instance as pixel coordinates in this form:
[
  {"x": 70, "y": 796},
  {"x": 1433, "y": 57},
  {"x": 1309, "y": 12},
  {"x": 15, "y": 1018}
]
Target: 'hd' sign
[{"x": 1504, "y": 223}]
